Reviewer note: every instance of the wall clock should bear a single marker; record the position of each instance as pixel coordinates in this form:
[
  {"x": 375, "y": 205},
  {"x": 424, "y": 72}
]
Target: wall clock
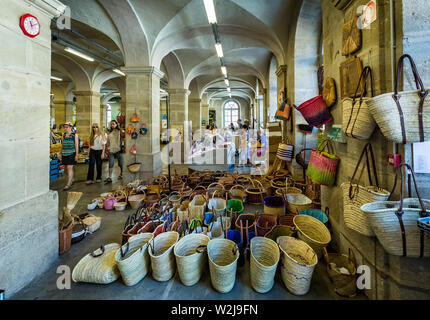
[{"x": 29, "y": 25}]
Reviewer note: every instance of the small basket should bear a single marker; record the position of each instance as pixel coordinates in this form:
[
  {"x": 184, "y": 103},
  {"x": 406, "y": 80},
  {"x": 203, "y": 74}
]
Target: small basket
[
  {"x": 256, "y": 194},
  {"x": 238, "y": 192},
  {"x": 274, "y": 205},
  {"x": 134, "y": 167},
  {"x": 313, "y": 232},
  {"x": 297, "y": 202},
  {"x": 65, "y": 237},
  {"x": 265, "y": 223},
  {"x": 136, "y": 200}
]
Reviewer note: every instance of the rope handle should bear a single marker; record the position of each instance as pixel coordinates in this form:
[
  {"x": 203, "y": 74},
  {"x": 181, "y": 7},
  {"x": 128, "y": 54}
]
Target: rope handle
[{"x": 102, "y": 248}]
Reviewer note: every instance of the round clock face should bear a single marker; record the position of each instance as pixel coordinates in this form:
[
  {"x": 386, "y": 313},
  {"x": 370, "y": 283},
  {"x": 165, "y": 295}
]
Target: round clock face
[{"x": 30, "y": 25}]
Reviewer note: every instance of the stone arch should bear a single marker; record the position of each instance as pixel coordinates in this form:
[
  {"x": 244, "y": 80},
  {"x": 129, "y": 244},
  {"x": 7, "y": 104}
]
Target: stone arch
[
  {"x": 272, "y": 90},
  {"x": 175, "y": 73},
  {"x": 73, "y": 69}
]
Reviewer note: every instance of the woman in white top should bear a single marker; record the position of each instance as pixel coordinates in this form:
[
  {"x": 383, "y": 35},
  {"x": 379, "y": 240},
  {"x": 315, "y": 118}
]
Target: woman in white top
[{"x": 97, "y": 153}]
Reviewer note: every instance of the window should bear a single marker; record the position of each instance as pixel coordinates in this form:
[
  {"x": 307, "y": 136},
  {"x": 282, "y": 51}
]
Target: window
[{"x": 231, "y": 113}]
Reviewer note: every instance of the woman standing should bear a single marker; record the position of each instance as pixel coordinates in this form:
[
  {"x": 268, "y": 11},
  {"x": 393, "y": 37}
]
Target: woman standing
[
  {"x": 69, "y": 152},
  {"x": 97, "y": 153},
  {"x": 114, "y": 145}
]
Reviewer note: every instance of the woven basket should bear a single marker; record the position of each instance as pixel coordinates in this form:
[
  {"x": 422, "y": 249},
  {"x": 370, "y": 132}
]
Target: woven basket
[
  {"x": 136, "y": 200},
  {"x": 197, "y": 206},
  {"x": 287, "y": 219},
  {"x": 238, "y": 192},
  {"x": 92, "y": 222},
  {"x": 285, "y": 151},
  {"x": 190, "y": 262},
  {"x": 265, "y": 223},
  {"x": 150, "y": 226},
  {"x": 274, "y": 205},
  {"x": 217, "y": 205},
  {"x": 278, "y": 231},
  {"x": 134, "y": 167},
  {"x": 345, "y": 285},
  {"x": 98, "y": 267},
  {"x": 162, "y": 257},
  {"x": 264, "y": 261},
  {"x": 65, "y": 237},
  {"x": 283, "y": 191},
  {"x": 317, "y": 214},
  {"x": 217, "y": 228},
  {"x": 216, "y": 188},
  {"x": 315, "y": 111},
  {"x": 385, "y": 111},
  {"x": 322, "y": 167},
  {"x": 297, "y": 264},
  {"x": 256, "y": 193},
  {"x": 223, "y": 255},
  {"x": 133, "y": 259},
  {"x": 313, "y": 232},
  {"x": 297, "y": 202}
]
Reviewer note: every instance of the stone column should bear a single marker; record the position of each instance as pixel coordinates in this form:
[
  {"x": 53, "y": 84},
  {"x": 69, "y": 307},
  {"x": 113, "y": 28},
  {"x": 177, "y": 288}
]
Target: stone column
[
  {"x": 87, "y": 112},
  {"x": 178, "y": 107},
  {"x": 143, "y": 98},
  {"x": 265, "y": 108},
  {"x": 103, "y": 115},
  {"x": 28, "y": 209},
  {"x": 69, "y": 105},
  {"x": 60, "y": 112},
  {"x": 194, "y": 113}
]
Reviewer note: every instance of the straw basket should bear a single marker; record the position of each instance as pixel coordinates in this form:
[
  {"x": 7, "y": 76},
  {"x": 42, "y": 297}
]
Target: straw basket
[
  {"x": 414, "y": 126},
  {"x": 218, "y": 205},
  {"x": 197, "y": 206},
  {"x": 274, "y": 205},
  {"x": 65, "y": 237},
  {"x": 217, "y": 228},
  {"x": 216, "y": 188},
  {"x": 265, "y": 223},
  {"x": 91, "y": 221},
  {"x": 315, "y": 111},
  {"x": 149, "y": 226},
  {"x": 134, "y": 167},
  {"x": 285, "y": 151},
  {"x": 313, "y": 232},
  {"x": 133, "y": 259},
  {"x": 136, "y": 200},
  {"x": 238, "y": 192},
  {"x": 345, "y": 285},
  {"x": 297, "y": 202},
  {"x": 287, "y": 219},
  {"x": 223, "y": 255},
  {"x": 190, "y": 261},
  {"x": 278, "y": 231},
  {"x": 182, "y": 212},
  {"x": 297, "y": 264},
  {"x": 98, "y": 267},
  {"x": 255, "y": 193},
  {"x": 162, "y": 257},
  {"x": 264, "y": 261},
  {"x": 283, "y": 191}
]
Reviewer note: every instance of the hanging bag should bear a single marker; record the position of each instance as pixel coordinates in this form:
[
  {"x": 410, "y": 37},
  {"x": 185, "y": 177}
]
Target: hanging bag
[
  {"x": 357, "y": 122},
  {"x": 356, "y": 195},
  {"x": 403, "y": 117},
  {"x": 120, "y": 118},
  {"x": 395, "y": 222},
  {"x": 143, "y": 129},
  {"x": 315, "y": 111},
  {"x": 284, "y": 110},
  {"x": 323, "y": 164},
  {"x": 134, "y": 118},
  {"x": 285, "y": 150},
  {"x": 129, "y": 129}
]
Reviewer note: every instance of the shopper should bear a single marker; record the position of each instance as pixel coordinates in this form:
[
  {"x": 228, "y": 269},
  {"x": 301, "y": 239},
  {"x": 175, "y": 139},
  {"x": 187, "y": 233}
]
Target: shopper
[
  {"x": 243, "y": 147},
  {"x": 69, "y": 152},
  {"x": 114, "y": 145},
  {"x": 97, "y": 153},
  {"x": 239, "y": 123}
]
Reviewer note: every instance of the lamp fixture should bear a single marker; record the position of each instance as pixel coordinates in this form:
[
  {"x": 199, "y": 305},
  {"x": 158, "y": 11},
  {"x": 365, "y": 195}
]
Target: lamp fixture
[
  {"x": 119, "y": 72},
  {"x": 219, "y": 51},
  {"x": 56, "y": 78},
  {"x": 210, "y": 11},
  {"x": 224, "y": 70},
  {"x": 79, "y": 54},
  {"x": 227, "y": 83},
  {"x": 228, "y": 89}
]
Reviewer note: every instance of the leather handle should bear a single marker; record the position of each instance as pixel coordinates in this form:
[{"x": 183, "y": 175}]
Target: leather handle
[
  {"x": 102, "y": 248},
  {"x": 418, "y": 81},
  {"x": 126, "y": 250}
]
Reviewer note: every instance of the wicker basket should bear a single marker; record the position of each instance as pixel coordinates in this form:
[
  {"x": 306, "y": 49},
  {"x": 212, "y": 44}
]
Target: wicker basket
[
  {"x": 162, "y": 257},
  {"x": 265, "y": 223},
  {"x": 297, "y": 264},
  {"x": 223, "y": 255},
  {"x": 197, "y": 206},
  {"x": 190, "y": 261},
  {"x": 278, "y": 231},
  {"x": 297, "y": 202},
  {"x": 256, "y": 193},
  {"x": 313, "y": 232},
  {"x": 264, "y": 261},
  {"x": 133, "y": 259},
  {"x": 218, "y": 205},
  {"x": 65, "y": 237},
  {"x": 283, "y": 191},
  {"x": 287, "y": 219},
  {"x": 238, "y": 192},
  {"x": 216, "y": 188},
  {"x": 274, "y": 205},
  {"x": 98, "y": 267},
  {"x": 134, "y": 167},
  {"x": 136, "y": 200}
]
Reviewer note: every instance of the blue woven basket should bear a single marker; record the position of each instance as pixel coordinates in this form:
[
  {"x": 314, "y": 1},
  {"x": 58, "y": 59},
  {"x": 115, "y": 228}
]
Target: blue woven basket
[{"x": 316, "y": 213}]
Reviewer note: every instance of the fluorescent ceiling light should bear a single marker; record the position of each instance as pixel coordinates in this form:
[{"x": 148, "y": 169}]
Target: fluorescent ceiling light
[
  {"x": 224, "y": 70},
  {"x": 229, "y": 95},
  {"x": 219, "y": 51},
  {"x": 227, "y": 83},
  {"x": 79, "y": 54},
  {"x": 116, "y": 94},
  {"x": 56, "y": 78},
  {"x": 228, "y": 89},
  {"x": 119, "y": 72},
  {"x": 210, "y": 10}
]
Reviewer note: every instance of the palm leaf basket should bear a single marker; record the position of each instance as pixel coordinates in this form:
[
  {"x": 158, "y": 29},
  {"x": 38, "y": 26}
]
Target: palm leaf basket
[
  {"x": 313, "y": 232},
  {"x": 162, "y": 257},
  {"x": 255, "y": 193}
]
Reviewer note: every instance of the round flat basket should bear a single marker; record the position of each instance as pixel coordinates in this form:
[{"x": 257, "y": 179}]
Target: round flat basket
[{"x": 313, "y": 232}]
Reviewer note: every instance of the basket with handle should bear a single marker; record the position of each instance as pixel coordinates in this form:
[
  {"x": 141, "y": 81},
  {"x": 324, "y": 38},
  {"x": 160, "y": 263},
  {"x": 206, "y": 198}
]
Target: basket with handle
[
  {"x": 357, "y": 122},
  {"x": 216, "y": 187},
  {"x": 264, "y": 261},
  {"x": 395, "y": 222},
  {"x": 280, "y": 230},
  {"x": 403, "y": 116},
  {"x": 136, "y": 200},
  {"x": 315, "y": 111},
  {"x": 218, "y": 205},
  {"x": 323, "y": 165},
  {"x": 297, "y": 263},
  {"x": 255, "y": 193},
  {"x": 238, "y": 192},
  {"x": 297, "y": 202},
  {"x": 313, "y": 232},
  {"x": 197, "y": 206},
  {"x": 345, "y": 283},
  {"x": 265, "y": 223},
  {"x": 274, "y": 205},
  {"x": 133, "y": 259},
  {"x": 285, "y": 150},
  {"x": 162, "y": 258},
  {"x": 191, "y": 257},
  {"x": 223, "y": 255},
  {"x": 65, "y": 238},
  {"x": 356, "y": 195}
]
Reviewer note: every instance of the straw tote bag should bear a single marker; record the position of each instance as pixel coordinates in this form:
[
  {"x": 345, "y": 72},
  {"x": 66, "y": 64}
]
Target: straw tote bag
[
  {"x": 285, "y": 151},
  {"x": 355, "y": 195},
  {"x": 323, "y": 164},
  {"x": 98, "y": 267},
  {"x": 404, "y": 117},
  {"x": 395, "y": 222},
  {"x": 315, "y": 111},
  {"x": 357, "y": 122}
]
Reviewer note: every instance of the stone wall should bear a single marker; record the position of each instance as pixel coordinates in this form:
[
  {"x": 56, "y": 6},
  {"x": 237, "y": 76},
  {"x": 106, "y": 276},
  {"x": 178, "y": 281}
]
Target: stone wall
[{"x": 28, "y": 210}]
